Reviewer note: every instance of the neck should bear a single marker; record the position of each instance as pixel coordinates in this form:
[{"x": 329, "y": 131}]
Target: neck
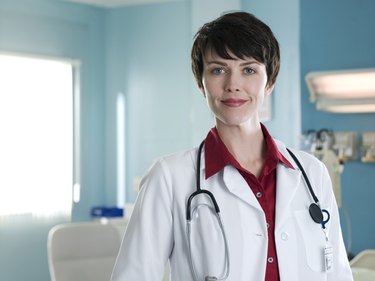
[{"x": 246, "y": 144}]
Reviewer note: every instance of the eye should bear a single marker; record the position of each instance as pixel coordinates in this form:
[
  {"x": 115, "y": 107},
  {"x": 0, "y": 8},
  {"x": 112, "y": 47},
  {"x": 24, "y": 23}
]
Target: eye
[
  {"x": 248, "y": 70},
  {"x": 218, "y": 70}
]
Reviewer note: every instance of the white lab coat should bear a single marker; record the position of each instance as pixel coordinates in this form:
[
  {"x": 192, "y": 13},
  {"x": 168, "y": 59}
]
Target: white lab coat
[{"x": 157, "y": 228}]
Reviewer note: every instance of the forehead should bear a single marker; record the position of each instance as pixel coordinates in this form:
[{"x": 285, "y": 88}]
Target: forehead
[{"x": 212, "y": 55}]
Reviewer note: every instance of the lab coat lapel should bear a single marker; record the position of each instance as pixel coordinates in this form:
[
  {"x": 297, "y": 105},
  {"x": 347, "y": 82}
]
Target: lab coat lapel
[
  {"x": 237, "y": 185},
  {"x": 233, "y": 181},
  {"x": 287, "y": 184}
]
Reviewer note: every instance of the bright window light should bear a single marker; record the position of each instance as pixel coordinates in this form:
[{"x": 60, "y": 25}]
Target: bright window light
[
  {"x": 120, "y": 116},
  {"x": 36, "y": 144}
]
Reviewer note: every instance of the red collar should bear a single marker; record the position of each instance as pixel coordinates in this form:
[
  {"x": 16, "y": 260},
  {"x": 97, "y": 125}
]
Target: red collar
[{"x": 217, "y": 156}]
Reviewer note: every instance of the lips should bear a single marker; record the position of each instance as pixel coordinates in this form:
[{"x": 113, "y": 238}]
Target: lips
[{"x": 233, "y": 102}]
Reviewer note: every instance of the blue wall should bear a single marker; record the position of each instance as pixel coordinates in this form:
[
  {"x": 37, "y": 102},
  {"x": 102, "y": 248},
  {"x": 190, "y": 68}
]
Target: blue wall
[{"x": 341, "y": 35}]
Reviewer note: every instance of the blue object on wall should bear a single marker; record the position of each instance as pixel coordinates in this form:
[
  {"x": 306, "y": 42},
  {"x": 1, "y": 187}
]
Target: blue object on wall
[{"x": 107, "y": 212}]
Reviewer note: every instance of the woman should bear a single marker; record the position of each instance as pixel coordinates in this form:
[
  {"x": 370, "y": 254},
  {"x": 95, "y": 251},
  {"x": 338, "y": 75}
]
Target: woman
[{"x": 267, "y": 229}]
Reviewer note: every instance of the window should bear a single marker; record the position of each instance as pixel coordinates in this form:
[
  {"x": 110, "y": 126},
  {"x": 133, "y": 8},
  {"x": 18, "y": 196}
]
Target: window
[{"x": 37, "y": 106}]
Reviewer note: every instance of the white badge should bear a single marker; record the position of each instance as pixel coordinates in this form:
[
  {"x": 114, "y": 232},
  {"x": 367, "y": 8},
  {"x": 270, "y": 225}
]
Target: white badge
[{"x": 328, "y": 258}]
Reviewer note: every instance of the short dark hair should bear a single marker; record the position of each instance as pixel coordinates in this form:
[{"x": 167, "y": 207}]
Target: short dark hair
[{"x": 241, "y": 34}]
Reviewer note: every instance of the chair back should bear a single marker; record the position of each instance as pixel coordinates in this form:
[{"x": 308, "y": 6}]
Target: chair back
[
  {"x": 83, "y": 251},
  {"x": 365, "y": 259}
]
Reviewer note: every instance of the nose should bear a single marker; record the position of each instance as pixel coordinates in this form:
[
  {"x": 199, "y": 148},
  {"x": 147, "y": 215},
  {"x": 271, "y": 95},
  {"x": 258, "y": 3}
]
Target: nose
[{"x": 232, "y": 83}]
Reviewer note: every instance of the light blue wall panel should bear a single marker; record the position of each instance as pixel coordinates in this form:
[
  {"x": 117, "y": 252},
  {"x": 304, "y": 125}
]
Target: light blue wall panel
[
  {"x": 339, "y": 35},
  {"x": 149, "y": 61}
]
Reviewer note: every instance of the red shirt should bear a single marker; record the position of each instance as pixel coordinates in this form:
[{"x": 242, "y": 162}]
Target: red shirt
[{"x": 264, "y": 187}]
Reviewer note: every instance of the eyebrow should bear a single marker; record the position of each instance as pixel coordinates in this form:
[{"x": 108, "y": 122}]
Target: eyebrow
[{"x": 224, "y": 64}]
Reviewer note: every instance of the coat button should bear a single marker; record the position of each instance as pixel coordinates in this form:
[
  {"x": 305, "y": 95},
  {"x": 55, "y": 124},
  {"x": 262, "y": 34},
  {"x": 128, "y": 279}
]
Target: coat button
[
  {"x": 270, "y": 259},
  {"x": 259, "y": 194},
  {"x": 284, "y": 236}
]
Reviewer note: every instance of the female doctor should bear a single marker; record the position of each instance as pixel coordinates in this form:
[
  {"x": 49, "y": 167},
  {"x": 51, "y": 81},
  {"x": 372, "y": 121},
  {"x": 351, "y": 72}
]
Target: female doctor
[{"x": 241, "y": 207}]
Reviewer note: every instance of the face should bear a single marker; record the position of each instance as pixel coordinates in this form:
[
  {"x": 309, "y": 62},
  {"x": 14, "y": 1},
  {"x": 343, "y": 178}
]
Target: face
[{"x": 234, "y": 89}]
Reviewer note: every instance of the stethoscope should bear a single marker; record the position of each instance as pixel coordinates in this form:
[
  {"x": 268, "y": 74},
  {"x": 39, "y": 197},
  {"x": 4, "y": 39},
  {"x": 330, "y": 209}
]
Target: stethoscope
[{"x": 315, "y": 211}]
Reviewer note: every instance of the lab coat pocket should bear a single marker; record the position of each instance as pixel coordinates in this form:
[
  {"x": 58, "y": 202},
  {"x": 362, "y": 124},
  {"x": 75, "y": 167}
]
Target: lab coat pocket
[{"x": 313, "y": 240}]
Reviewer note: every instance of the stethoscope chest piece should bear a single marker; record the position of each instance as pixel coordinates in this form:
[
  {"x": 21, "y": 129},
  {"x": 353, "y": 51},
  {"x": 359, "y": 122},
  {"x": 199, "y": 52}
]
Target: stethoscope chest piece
[{"x": 316, "y": 213}]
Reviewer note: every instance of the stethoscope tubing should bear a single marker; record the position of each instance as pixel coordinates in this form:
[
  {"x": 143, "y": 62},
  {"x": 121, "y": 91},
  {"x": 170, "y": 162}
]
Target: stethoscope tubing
[
  {"x": 315, "y": 198},
  {"x": 227, "y": 258},
  {"x": 189, "y": 213}
]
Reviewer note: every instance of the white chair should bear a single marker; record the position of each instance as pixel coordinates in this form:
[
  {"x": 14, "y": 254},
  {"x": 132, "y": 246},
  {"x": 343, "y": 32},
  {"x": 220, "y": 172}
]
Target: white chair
[
  {"x": 363, "y": 266},
  {"x": 84, "y": 251},
  {"x": 365, "y": 259}
]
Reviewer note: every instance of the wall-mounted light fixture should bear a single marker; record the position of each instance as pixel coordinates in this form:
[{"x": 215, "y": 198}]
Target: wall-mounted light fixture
[{"x": 346, "y": 91}]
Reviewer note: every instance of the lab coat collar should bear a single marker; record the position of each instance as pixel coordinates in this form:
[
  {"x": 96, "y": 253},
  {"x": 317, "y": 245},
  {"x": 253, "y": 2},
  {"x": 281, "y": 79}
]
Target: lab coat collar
[
  {"x": 288, "y": 180},
  {"x": 233, "y": 181}
]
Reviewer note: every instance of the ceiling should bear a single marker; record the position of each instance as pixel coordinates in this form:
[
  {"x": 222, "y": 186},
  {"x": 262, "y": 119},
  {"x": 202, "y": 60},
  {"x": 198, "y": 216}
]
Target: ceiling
[{"x": 118, "y": 3}]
